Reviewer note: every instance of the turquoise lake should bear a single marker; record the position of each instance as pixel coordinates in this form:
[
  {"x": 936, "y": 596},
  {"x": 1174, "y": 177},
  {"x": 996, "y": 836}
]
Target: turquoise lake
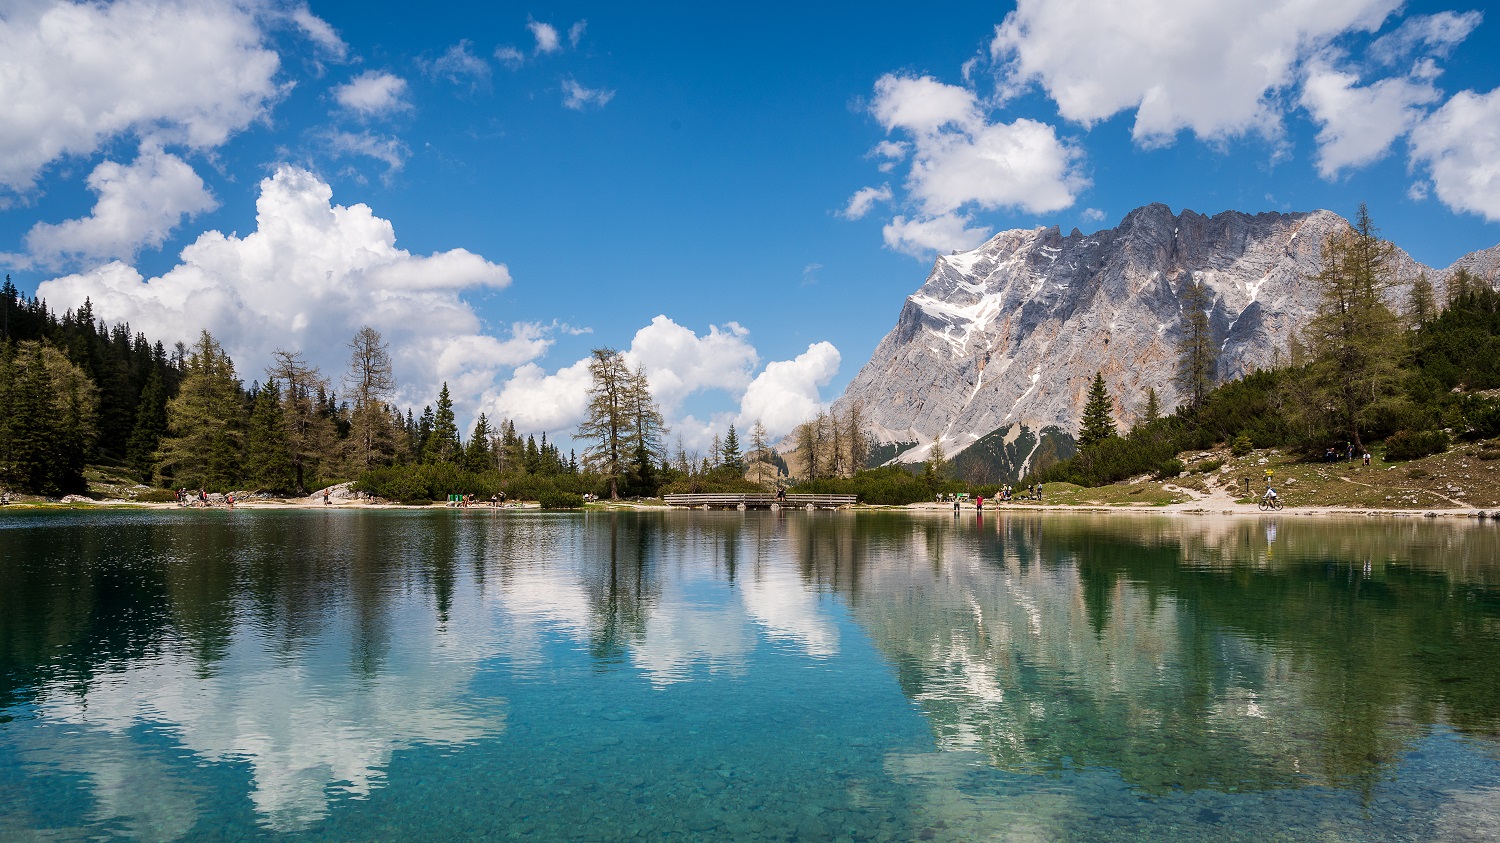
[{"x": 469, "y": 674}]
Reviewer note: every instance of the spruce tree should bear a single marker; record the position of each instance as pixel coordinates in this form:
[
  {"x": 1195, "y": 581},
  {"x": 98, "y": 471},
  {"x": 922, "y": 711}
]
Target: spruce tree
[
  {"x": 268, "y": 458},
  {"x": 30, "y": 431},
  {"x": 442, "y": 444},
  {"x": 150, "y": 426},
  {"x": 477, "y": 456},
  {"x": 730, "y": 453},
  {"x": 1098, "y": 415}
]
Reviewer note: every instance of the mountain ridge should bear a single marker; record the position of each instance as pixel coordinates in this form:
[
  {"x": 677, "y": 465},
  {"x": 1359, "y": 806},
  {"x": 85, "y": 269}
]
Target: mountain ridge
[{"x": 1011, "y": 332}]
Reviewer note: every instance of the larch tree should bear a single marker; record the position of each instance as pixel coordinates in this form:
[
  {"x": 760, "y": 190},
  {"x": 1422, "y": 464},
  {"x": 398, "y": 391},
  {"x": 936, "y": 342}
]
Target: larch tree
[
  {"x": 1197, "y": 360},
  {"x": 370, "y": 382},
  {"x": 647, "y": 432},
  {"x": 857, "y": 435},
  {"x": 607, "y": 425},
  {"x": 760, "y": 456},
  {"x": 1354, "y": 339},
  {"x": 1421, "y": 306},
  {"x": 1098, "y": 415},
  {"x": 1152, "y": 411},
  {"x": 309, "y": 432}
]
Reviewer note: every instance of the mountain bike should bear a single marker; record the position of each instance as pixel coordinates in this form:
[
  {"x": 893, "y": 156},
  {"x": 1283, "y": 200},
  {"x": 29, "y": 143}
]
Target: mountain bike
[{"x": 1270, "y": 503}]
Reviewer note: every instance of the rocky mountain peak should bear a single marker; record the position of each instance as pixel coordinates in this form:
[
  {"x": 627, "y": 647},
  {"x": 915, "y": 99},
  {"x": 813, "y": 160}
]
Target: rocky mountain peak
[{"x": 1010, "y": 333}]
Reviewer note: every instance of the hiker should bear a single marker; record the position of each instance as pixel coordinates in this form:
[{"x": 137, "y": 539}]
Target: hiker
[
  {"x": 1367, "y": 459},
  {"x": 1038, "y": 493},
  {"x": 326, "y": 501},
  {"x": 979, "y": 503},
  {"x": 202, "y": 496},
  {"x": 229, "y": 499}
]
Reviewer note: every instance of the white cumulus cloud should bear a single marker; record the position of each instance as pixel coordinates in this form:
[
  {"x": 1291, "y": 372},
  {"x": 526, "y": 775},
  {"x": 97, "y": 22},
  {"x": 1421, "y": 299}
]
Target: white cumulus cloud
[
  {"x": 373, "y": 93},
  {"x": 921, "y": 236},
  {"x": 678, "y": 363},
  {"x": 1459, "y": 144},
  {"x": 959, "y": 159},
  {"x": 309, "y": 276},
  {"x": 139, "y": 204},
  {"x": 1208, "y": 66},
  {"x": 575, "y": 32},
  {"x": 786, "y": 393},
  {"x": 75, "y": 75},
  {"x": 1360, "y": 122}
]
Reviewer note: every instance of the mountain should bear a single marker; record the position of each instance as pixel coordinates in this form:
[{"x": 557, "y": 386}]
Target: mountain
[{"x": 1001, "y": 342}]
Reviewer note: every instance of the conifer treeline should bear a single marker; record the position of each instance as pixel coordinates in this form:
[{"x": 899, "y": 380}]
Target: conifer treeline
[
  {"x": 74, "y": 391},
  {"x": 1359, "y": 372}
]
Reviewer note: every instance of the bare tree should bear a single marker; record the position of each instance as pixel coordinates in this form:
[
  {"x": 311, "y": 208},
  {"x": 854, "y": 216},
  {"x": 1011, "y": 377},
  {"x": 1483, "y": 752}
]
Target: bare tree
[
  {"x": 608, "y": 422},
  {"x": 371, "y": 381}
]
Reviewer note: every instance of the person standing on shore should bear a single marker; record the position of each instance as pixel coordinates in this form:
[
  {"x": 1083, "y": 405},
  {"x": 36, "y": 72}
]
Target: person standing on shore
[{"x": 325, "y": 497}]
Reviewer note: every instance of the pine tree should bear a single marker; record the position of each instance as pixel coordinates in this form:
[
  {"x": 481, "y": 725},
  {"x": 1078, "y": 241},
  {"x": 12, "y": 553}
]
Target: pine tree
[
  {"x": 204, "y": 421},
  {"x": 1197, "y": 361},
  {"x": 608, "y": 423},
  {"x": 1098, "y": 415},
  {"x": 268, "y": 458}
]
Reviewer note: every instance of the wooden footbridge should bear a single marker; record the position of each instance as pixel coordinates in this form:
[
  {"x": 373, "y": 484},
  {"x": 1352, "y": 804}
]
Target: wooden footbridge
[{"x": 761, "y": 501}]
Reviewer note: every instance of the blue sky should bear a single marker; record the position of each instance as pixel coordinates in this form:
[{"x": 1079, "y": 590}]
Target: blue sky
[{"x": 740, "y": 198}]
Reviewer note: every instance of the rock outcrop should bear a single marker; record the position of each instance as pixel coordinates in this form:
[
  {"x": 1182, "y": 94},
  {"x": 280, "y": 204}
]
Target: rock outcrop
[{"x": 1010, "y": 334}]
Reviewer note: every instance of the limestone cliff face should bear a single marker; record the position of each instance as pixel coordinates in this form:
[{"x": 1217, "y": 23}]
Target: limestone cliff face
[{"x": 1011, "y": 333}]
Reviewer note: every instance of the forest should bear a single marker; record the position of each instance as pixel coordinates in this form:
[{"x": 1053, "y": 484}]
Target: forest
[{"x": 75, "y": 392}]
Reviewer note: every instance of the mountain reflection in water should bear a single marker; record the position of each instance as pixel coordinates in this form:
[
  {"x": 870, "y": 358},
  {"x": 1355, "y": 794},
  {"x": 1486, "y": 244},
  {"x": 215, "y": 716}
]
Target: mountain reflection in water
[{"x": 154, "y": 665}]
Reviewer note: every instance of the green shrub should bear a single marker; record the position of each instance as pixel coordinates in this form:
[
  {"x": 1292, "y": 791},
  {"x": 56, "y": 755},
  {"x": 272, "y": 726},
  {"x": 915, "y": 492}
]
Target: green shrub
[
  {"x": 1489, "y": 455},
  {"x": 1242, "y": 445},
  {"x": 1209, "y": 466},
  {"x": 553, "y": 499},
  {"x": 1410, "y": 445},
  {"x": 1170, "y": 468},
  {"x": 157, "y": 496}
]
